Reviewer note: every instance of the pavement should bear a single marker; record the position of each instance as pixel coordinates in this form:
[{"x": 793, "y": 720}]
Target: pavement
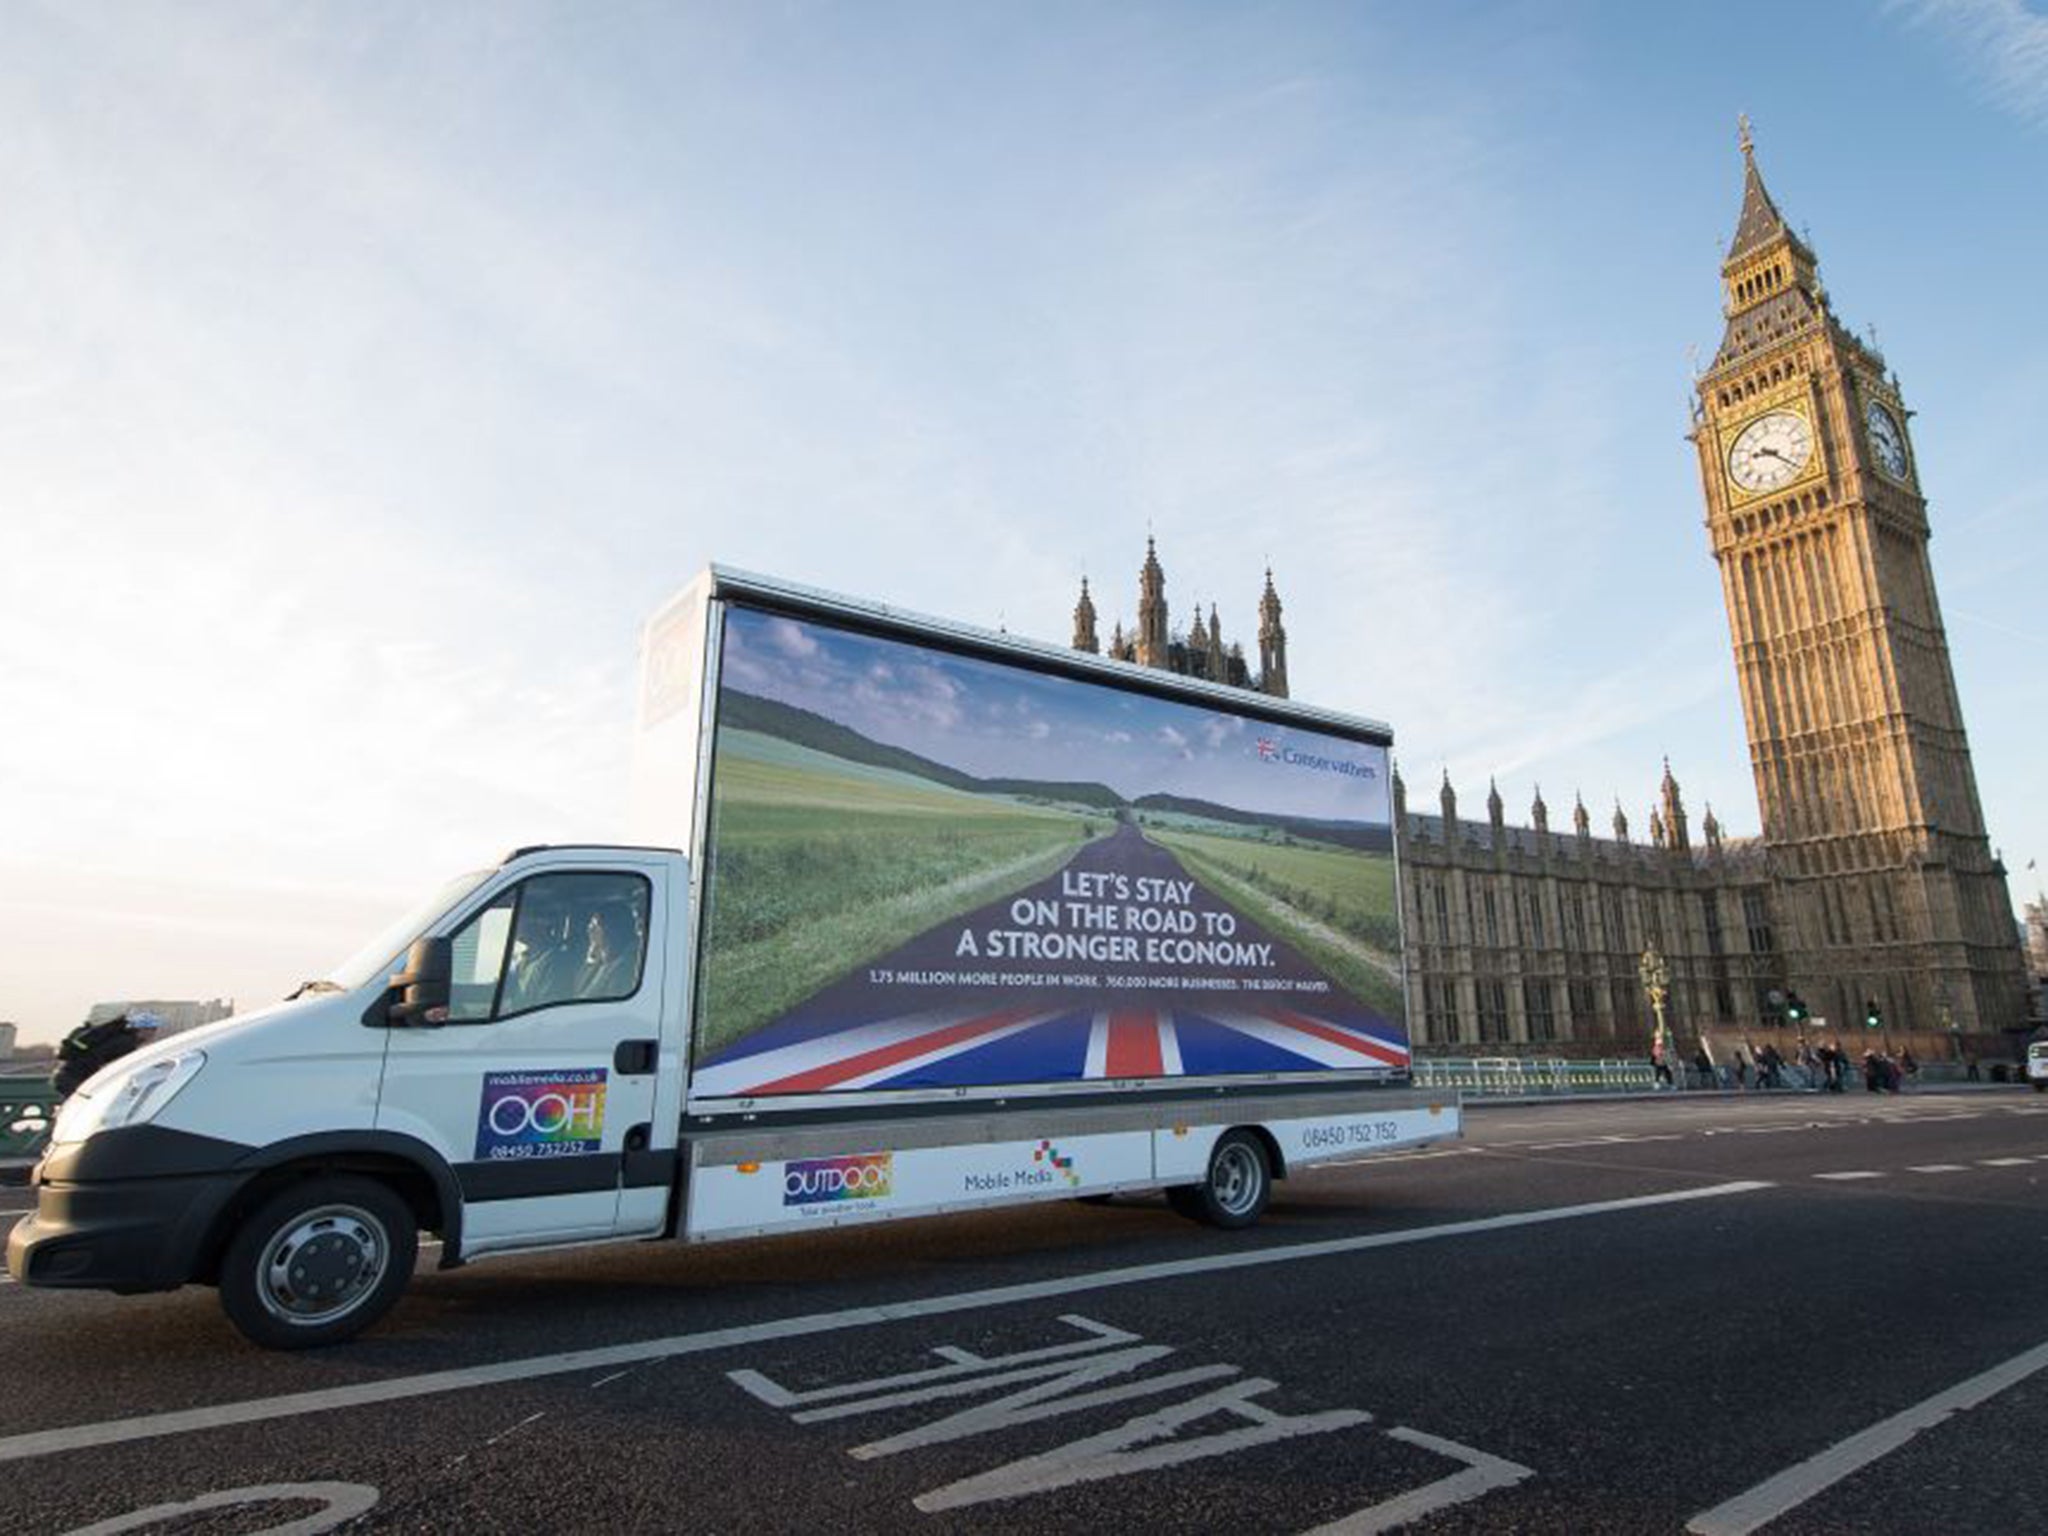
[{"x": 1701, "y": 1312}]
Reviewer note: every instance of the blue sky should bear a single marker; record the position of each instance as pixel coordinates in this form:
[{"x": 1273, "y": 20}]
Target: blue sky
[
  {"x": 1010, "y": 722},
  {"x": 374, "y": 370}
]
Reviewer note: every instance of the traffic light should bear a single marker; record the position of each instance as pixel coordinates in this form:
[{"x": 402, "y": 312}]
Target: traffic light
[
  {"x": 1871, "y": 1017},
  {"x": 1795, "y": 1008}
]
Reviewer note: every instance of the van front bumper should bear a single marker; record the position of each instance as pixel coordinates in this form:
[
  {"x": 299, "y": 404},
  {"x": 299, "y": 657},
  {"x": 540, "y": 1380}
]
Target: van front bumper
[{"x": 121, "y": 1215}]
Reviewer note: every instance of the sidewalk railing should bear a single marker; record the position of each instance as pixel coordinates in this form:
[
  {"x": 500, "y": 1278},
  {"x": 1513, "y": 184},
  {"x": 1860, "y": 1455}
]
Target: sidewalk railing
[{"x": 1516, "y": 1075}]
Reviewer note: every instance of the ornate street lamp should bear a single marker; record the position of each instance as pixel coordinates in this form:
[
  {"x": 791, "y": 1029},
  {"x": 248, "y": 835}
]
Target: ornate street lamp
[{"x": 1656, "y": 979}]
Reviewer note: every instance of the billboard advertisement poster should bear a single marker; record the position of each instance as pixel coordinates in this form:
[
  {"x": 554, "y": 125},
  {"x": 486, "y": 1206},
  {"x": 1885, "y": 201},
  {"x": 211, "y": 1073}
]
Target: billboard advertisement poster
[{"x": 934, "y": 869}]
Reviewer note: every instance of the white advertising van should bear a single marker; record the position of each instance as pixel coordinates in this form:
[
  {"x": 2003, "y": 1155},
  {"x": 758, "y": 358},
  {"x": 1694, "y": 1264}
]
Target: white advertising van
[{"x": 932, "y": 919}]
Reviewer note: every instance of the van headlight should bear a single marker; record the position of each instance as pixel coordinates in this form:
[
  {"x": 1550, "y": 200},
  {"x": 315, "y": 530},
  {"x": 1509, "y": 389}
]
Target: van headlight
[{"x": 130, "y": 1097}]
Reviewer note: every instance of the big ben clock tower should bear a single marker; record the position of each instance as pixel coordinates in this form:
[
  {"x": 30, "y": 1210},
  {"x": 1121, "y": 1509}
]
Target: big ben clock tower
[{"x": 1863, "y": 776}]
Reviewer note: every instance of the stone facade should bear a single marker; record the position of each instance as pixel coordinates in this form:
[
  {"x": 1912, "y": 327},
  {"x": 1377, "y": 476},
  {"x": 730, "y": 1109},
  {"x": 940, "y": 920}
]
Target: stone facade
[
  {"x": 1873, "y": 880},
  {"x": 1521, "y": 939}
]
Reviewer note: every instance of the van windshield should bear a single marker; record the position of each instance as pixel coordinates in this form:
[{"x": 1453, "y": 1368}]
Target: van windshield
[{"x": 376, "y": 958}]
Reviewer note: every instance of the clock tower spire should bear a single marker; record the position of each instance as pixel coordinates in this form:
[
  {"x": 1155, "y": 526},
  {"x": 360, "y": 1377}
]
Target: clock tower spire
[{"x": 1863, "y": 774}]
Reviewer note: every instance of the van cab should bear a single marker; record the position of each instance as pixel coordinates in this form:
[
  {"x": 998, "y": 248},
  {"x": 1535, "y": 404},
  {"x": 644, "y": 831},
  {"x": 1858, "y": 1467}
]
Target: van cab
[{"x": 292, "y": 1156}]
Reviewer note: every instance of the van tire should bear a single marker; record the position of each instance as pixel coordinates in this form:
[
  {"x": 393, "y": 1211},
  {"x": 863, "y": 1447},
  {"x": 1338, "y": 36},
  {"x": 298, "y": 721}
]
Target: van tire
[
  {"x": 350, "y": 1237},
  {"x": 1239, "y": 1183}
]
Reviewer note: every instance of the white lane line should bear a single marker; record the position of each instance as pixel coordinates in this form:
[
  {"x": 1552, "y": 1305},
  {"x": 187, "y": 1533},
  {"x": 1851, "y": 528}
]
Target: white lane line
[
  {"x": 1592, "y": 1141},
  {"x": 263, "y": 1409},
  {"x": 1937, "y": 1168},
  {"x": 1771, "y": 1130},
  {"x": 515, "y": 1428},
  {"x": 1860, "y": 1173},
  {"x": 1795, "y": 1485},
  {"x": 2004, "y": 1162}
]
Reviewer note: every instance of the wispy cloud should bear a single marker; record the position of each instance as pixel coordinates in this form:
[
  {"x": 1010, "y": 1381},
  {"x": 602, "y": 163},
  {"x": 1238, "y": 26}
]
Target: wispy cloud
[{"x": 2003, "y": 43}]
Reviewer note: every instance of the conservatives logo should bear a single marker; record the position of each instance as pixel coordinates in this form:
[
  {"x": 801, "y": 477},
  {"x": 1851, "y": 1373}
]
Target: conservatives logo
[
  {"x": 1272, "y": 751},
  {"x": 817, "y": 1181}
]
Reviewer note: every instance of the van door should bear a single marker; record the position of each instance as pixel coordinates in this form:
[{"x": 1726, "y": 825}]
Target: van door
[{"x": 539, "y": 1087}]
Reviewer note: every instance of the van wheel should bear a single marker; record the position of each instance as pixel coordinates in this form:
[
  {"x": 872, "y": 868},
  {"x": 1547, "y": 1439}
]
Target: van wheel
[
  {"x": 1239, "y": 1184},
  {"x": 318, "y": 1262}
]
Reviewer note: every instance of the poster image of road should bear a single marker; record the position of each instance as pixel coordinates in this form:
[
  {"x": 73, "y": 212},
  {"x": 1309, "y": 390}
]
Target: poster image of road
[{"x": 931, "y": 869}]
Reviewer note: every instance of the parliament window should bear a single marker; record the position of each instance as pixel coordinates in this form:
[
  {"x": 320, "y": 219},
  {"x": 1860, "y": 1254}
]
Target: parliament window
[
  {"x": 1710, "y": 909},
  {"x": 1493, "y": 1011},
  {"x": 1757, "y": 920},
  {"x": 1440, "y": 1011},
  {"x": 1585, "y": 1010}
]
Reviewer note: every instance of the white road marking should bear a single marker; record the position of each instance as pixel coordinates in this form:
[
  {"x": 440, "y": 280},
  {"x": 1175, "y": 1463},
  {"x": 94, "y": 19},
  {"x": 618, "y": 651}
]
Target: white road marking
[
  {"x": 1937, "y": 1168},
  {"x": 1860, "y": 1173},
  {"x": 1110, "y": 1453},
  {"x": 266, "y": 1409},
  {"x": 1050, "y": 1383},
  {"x": 2005, "y": 1162},
  {"x": 1773, "y": 1130},
  {"x": 605, "y": 1381},
  {"x": 513, "y": 1429},
  {"x": 1771, "y": 1498},
  {"x": 1593, "y": 1141},
  {"x": 342, "y": 1502},
  {"x": 1482, "y": 1474}
]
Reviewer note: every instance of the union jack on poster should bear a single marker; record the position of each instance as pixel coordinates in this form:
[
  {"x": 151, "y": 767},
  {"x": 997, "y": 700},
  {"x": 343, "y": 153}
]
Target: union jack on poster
[{"x": 949, "y": 1048}]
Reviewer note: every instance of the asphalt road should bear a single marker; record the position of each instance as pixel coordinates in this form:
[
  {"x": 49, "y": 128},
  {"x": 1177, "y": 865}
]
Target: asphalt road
[{"x": 1788, "y": 1314}]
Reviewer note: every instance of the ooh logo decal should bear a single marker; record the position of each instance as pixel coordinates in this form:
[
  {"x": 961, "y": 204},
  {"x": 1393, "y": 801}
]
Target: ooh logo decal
[
  {"x": 1046, "y": 1152},
  {"x": 541, "y": 1114},
  {"x": 819, "y": 1180}
]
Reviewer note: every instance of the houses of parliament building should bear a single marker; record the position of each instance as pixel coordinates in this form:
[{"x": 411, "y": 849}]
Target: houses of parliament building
[{"x": 1873, "y": 879}]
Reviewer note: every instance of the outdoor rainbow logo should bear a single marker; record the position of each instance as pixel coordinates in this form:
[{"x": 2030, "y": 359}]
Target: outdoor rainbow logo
[
  {"x": 1046, "y": 1152},
  {"x": 541, "y": 1114},
  {"x": 820, "y": 1180}
]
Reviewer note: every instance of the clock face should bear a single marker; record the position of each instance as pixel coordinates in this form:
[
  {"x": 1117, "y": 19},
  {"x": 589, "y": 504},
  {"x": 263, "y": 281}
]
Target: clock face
[
  {"x": 1887, "y": 440},
  {"x": 1771, "y": 451}
]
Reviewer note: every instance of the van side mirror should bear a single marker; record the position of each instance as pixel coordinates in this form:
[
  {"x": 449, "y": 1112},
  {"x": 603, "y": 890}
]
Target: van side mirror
[{"x": 421, "y": 989}]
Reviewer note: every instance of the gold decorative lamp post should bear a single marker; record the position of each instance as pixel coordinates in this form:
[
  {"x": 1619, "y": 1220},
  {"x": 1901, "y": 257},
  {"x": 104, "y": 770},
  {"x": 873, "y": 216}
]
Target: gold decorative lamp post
[{"x": 1656, "y": 979}]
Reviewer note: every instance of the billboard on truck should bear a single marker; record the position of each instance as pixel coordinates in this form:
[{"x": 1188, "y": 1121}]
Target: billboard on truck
[{"x": 932, "y": 866}]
